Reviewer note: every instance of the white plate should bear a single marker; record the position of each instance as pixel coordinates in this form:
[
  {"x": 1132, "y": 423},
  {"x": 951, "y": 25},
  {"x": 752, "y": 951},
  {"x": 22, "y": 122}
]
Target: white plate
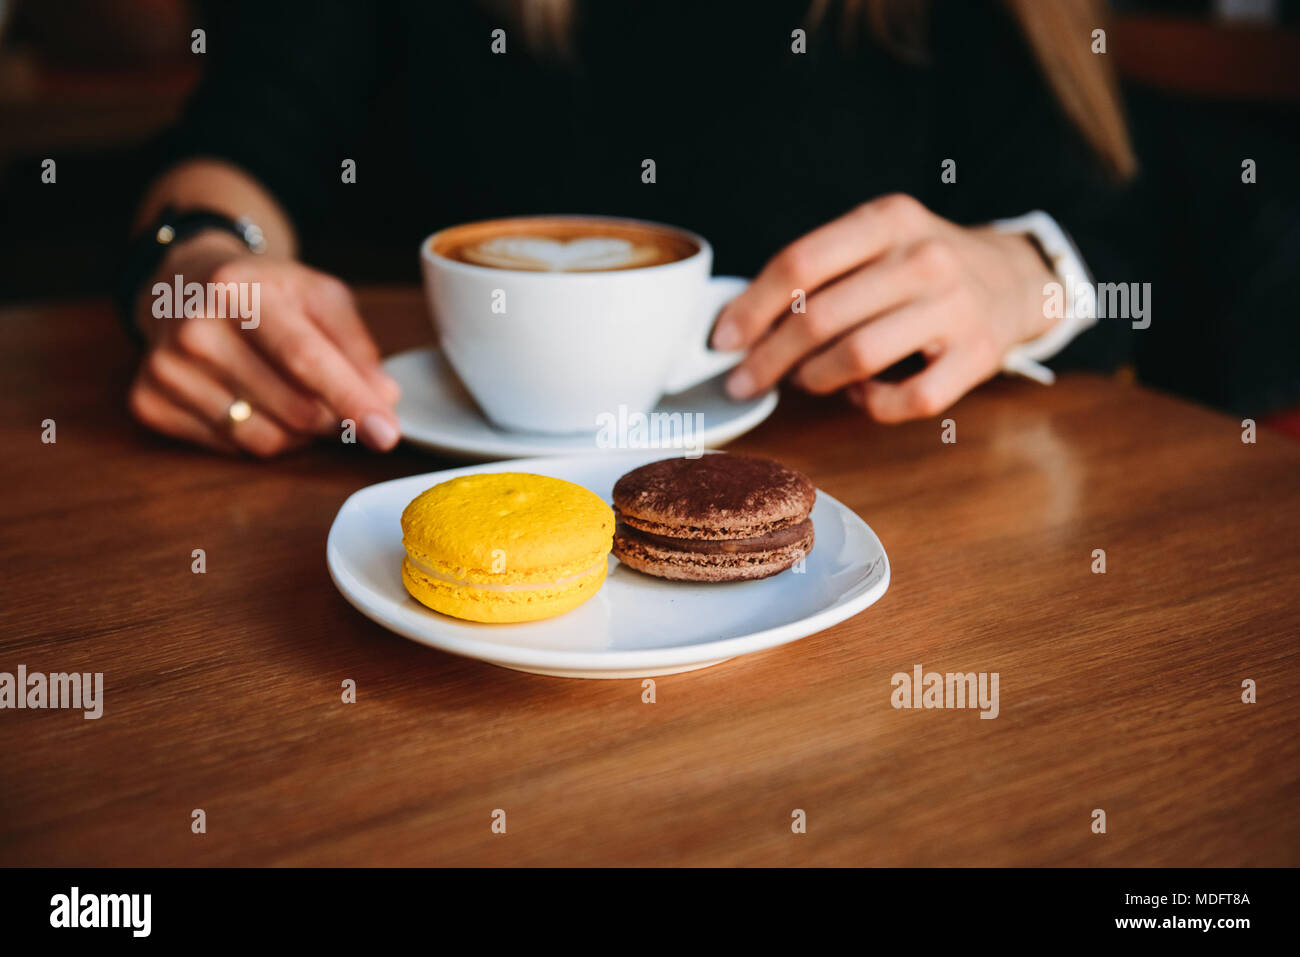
[
  {"x": 636, "y": 625},
  {"x": 436, "y": 412}
]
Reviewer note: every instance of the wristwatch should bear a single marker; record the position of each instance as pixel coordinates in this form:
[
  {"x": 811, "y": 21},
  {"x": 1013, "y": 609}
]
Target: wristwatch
[
  {"x": 1079, "y": 295},
  {"x": 172, "y": 226}
]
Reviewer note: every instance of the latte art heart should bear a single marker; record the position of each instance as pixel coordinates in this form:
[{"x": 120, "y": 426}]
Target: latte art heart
[
  {"x": 562, "y": 245},
  {"x": 541, "y": 254}
]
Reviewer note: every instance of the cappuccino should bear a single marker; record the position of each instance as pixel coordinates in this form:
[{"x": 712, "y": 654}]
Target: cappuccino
[
  {"x": 563, "y": 245},
  {"x": 553, "y": 321}
]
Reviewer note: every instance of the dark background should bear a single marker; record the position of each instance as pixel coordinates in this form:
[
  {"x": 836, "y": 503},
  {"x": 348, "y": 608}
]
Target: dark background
[{"x": 1207, "y": 82}]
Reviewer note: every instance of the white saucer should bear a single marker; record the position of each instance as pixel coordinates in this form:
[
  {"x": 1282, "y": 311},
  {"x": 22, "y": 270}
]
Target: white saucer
[
  {"x": 436, "y": 412},
  {"x": 636, "y": 625}
]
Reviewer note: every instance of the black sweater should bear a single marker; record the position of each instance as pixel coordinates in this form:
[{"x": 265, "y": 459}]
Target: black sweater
[{"x": 753, "y": 144}]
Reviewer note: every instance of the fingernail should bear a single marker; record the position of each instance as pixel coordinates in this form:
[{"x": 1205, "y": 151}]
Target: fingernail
[
  {"x": 378, "y": 432},
  {"x": 726, "y": 335},
  {"x": 326, "y": 421},
  {"x": 392, "y": 391},
  {"x": 854, "y": 392},
  {"x": 740, "y": 384}
]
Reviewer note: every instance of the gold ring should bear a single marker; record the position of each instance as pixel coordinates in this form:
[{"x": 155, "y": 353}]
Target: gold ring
[{"x": 239, "y": 411}]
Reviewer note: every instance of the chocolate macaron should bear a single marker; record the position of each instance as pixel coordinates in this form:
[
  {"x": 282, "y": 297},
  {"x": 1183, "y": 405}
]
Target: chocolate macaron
[{"x": 717, "y": 518}]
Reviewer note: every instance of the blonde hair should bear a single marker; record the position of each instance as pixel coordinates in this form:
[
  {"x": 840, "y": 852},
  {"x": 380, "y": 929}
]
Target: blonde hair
[{"x": 1059, "y": 32}]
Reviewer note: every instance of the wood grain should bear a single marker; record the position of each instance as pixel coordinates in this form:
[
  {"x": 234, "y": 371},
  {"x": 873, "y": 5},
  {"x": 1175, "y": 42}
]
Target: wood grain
[{"x": 222, "y": 691}]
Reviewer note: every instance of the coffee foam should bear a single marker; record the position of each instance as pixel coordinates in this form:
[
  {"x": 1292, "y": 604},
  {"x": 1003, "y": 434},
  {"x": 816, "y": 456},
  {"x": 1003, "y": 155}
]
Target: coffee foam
[
  {"x": 541, "y": 254},
  {"x": 564, "y": 244}
]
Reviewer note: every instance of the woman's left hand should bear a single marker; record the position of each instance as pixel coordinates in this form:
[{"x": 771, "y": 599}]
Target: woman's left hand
[{"x": 882, "y": 282}]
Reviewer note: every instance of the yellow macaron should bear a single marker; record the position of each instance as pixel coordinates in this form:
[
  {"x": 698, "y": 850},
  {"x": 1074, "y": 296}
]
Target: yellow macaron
[{"x": 505, "y": 546}]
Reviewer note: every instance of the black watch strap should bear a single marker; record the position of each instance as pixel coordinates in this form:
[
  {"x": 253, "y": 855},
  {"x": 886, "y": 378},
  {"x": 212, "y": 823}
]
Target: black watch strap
[{"x": 148, "y": 248}]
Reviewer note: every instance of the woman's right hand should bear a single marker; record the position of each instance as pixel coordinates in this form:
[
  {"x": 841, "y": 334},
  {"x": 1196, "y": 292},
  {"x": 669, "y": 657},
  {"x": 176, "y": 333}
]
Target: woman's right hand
[{"x": 306, "y": 364}]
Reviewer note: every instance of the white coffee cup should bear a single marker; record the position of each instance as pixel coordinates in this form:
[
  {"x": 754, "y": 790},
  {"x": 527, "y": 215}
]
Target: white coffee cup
[{"x": 551, "y": 351}]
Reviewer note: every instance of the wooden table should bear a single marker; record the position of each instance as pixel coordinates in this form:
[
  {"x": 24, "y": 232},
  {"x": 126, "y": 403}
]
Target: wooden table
[{"x": 1120, "y": 691}]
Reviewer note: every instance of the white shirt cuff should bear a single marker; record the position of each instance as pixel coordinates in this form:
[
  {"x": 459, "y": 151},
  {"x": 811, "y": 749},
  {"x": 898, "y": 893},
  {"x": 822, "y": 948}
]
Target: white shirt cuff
[{"x": 1075, "y": 296}]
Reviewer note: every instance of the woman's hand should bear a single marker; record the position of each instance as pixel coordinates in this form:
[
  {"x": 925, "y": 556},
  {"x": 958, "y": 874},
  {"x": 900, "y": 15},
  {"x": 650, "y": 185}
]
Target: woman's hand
[
  {"x": 306, "y": 365},
  {"x": 884, "y": 281}
]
